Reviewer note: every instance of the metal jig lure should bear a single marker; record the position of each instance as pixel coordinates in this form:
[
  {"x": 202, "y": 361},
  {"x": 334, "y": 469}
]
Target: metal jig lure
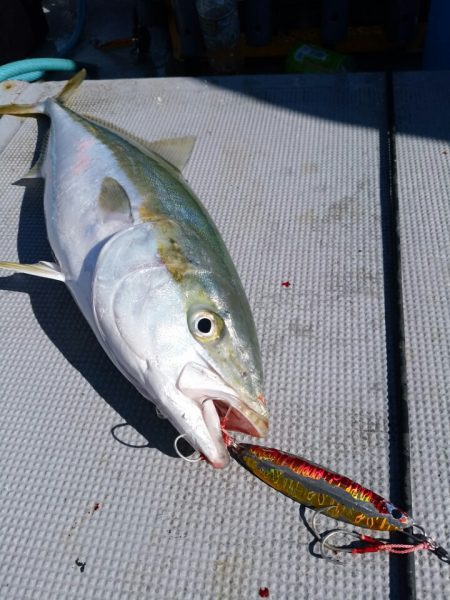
[
  {"x": 335, "y": 496},
  {"x": 332, "y": 495}
]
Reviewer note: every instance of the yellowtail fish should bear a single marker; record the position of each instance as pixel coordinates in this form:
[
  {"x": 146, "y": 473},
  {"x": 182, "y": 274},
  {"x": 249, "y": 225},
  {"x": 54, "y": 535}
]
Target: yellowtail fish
[{"x": 150, "y": 273}]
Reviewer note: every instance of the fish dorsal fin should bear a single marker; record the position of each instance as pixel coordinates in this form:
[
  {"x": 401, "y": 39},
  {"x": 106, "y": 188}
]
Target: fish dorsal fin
[
  {"x": 175, "y": 151},
  {"x": 114, "y": 201},
  {"x": 71, "y": 86}
]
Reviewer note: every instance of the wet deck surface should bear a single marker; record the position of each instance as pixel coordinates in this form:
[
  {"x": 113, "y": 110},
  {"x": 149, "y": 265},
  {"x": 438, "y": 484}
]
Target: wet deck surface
[{"x": 295, "y": 173}]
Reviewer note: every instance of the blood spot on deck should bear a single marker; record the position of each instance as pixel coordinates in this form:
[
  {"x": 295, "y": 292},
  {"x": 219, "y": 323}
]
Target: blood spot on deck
[
  {"x": 264, "y": 592},
  {"x": 286, "y": 284}
]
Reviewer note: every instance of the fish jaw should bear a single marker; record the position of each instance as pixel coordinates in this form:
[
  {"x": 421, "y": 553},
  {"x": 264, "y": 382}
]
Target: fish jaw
[
  {"x": 221, "y": 406},
  {"x": 198, "y": 423}
]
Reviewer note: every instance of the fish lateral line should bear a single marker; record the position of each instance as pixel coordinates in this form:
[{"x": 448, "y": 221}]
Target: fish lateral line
[{"x": 174, "y": 151}]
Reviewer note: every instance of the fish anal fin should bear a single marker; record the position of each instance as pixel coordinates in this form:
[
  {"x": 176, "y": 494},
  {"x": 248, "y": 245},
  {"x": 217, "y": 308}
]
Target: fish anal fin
[
  {"x": 44, "y": 269},
  {"x": 113, "y": 201},
  {"x": 35, "y": 172}
]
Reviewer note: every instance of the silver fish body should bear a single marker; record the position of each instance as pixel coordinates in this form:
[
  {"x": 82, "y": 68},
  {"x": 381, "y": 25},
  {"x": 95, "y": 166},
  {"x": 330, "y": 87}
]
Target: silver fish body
[{"x": 151, "y": 274}]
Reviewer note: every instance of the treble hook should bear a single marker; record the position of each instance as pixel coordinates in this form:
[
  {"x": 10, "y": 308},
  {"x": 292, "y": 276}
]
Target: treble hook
[
  {"x": 324, "y": 540},
  {"x": 422, "y": 539},
  {"x": 313, "y": 523},
  {"x": 195, "y": 456},
  {"x": 325, "y": 543}
]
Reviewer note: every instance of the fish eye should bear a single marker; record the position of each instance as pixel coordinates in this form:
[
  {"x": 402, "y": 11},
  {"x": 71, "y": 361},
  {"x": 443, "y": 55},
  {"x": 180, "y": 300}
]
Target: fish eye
[
  {"x": 396, "y": 513},
  {"x": 205, "y": 325}
]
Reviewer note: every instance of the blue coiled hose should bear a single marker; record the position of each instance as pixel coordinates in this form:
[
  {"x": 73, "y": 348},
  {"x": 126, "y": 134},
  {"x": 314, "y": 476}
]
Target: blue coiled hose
[{"x": 31, "y": 69}]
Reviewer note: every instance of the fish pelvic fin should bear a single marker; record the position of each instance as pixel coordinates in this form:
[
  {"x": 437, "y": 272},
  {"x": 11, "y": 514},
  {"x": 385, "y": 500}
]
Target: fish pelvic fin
[
  {"x": 32, "y": 110},
  {"x": 44, "y": 269},
  {"x": 71, "y": 87}
]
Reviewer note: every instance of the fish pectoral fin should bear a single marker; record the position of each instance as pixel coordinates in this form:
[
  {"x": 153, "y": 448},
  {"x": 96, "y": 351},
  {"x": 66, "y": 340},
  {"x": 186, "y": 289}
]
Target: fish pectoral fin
[
  {"x": 175, "y": 151},
  {"x": 114, "y": 202},
  {"x": 45, "y": 269}
]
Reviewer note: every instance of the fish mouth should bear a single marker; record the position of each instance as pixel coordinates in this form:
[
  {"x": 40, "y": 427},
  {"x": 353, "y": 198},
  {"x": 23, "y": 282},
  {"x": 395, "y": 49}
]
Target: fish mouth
[
  {"x": 236, "y": 416},
  {"x": 222, "y": 409}
]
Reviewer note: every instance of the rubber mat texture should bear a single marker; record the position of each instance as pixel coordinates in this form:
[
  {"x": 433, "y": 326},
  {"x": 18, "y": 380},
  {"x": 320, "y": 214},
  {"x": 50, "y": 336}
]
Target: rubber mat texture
[
  {"x": 423, "y": 159},
  {"x": 93, "y": 502}
]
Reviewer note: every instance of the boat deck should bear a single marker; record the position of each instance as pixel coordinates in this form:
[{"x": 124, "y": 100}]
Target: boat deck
[{"x": 296, "y": 172}]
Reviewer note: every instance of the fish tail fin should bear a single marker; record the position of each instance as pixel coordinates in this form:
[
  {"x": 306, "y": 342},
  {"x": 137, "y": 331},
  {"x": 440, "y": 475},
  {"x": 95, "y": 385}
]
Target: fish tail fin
[
  {"x": 71, "y": 86},
  {"x": 30, "y": 110},
  {"x": 27, "y": 110}
]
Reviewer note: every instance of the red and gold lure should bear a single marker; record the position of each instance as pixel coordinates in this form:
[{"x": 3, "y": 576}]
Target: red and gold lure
[
  {"x": 336, "y": 496},
  {"x": 316, "y": 487}
]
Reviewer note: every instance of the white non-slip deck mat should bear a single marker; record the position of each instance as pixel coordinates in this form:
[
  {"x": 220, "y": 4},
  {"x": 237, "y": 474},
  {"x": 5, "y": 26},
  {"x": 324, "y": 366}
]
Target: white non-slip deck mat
[
  {"x": 422, "y": 103},
  {"x": 289, "y": 169}
]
